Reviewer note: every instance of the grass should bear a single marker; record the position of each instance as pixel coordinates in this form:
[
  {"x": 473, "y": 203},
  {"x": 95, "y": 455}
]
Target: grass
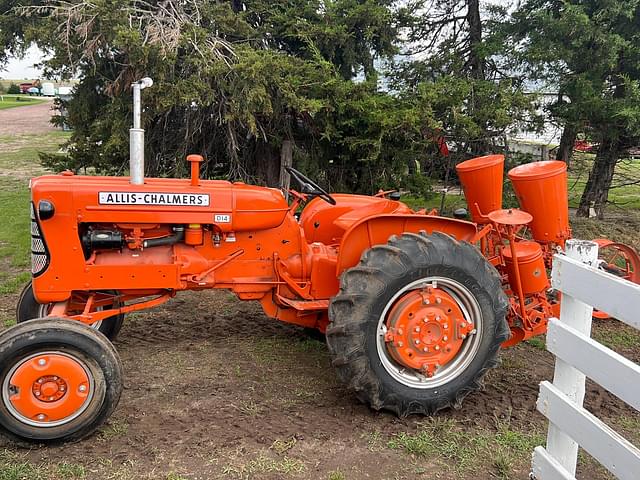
[
  {"x": 14, "y": 466},
  {"x": 263, "y": 465},
  {"x": 114, "y": 428},
  {"x": 336, "y": 475},
  {"x": 537, "y": 342},
  {"x": 468, "y": 449},
  {"x": 617, "y": 336},
  {"x": 19, "y": 159},
  {"x": 12, "y": 101}
]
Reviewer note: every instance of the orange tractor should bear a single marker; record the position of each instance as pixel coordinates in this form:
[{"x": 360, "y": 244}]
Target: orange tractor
[{"x": 415, "y": 306}]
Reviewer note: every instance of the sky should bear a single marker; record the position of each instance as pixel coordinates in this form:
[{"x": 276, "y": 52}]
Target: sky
[{"x": 19, "y": 69}]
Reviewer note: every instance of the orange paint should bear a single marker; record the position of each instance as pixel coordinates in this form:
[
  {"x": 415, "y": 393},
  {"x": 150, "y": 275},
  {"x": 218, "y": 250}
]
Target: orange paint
[
  {"x": 541, "y": 188},
  {"x": 481, "y": 180},
  {"x": 49, "y": 387}
]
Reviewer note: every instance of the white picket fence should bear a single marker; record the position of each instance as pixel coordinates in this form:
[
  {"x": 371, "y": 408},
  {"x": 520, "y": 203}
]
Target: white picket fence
[{"x": 584, "y": 287}]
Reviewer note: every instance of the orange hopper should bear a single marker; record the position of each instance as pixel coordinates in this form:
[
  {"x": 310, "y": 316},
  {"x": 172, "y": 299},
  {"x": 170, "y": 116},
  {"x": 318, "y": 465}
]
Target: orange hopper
[
  {"x": 481, "y": 180},
  {"x": 541, "y": 188}
]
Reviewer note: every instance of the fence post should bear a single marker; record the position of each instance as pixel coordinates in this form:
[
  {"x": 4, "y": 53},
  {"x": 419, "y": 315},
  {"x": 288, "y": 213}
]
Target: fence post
[{"x": 566, "y": 378}]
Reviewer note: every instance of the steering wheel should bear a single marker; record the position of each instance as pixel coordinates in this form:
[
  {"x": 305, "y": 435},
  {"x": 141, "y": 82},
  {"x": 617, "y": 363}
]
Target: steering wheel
[{"x": 310, "y": 187}]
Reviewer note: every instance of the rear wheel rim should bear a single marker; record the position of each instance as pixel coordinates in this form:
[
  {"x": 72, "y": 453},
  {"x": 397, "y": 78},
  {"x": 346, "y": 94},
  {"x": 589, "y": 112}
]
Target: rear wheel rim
[
  {"x": 48, "y": 389},
  {"x": 464, "y": 349}
]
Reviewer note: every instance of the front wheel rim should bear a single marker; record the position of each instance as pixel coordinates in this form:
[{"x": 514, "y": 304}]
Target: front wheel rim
[
  {"x": 48, "y": 389},
  {"x": 43, "y": 311},
  {"x": 457, "y": 328}
]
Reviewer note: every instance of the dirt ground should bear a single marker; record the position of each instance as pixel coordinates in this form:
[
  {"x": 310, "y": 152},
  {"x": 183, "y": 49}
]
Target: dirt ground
[
  {"x": 28, "y": 119},
  {"x": 214, "y": 389}
]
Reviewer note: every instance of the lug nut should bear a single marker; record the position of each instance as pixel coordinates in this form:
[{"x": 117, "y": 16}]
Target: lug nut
[
  {"x": 445, "y": 326},
  {"x": 437, "y": 318},
  {"x": 83, "y": 388},
  {"x": 437, "y": 347},
  {"x": 417, "y": 342},
  {"x": 438, "y": 300},
  {"x": 400, "y": 344},
  {"x": 417, "y": 329},
  {"x": 42, "y": 362},
  {"x": 41, "y": 416},
  {"x": 425, "y": 349},
  {"x": 445, "y": 338}
]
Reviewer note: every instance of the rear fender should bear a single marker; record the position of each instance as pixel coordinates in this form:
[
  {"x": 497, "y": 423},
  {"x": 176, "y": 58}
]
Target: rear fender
[{"x": 377, "y": 230}]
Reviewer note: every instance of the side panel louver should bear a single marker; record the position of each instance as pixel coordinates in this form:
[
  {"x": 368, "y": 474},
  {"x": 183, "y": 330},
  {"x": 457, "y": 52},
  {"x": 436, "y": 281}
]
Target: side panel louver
[{"x": 39, "y": 251}]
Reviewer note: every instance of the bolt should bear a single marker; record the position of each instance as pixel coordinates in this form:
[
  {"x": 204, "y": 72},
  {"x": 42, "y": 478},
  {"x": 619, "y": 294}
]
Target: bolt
[
  {"x": 41, "y": 416},
  {"x": 399, "y": 331},
  {"x": 417, "y": 342},
  {"x": 437, "y": 318},
  {"x": 37, "y": 394},
  {"x": 55, "y": 379},
  {"x": 50, "y": 399},
  {"x": 437, "y": 347},
  {"x": 425, "y": 349},
  {"x": 42, "y": 362},
  {"x": 62, "y": 389},
  {"x": 401, "y": 344},
  {"x": 445, "y": 326},
  {"x": 438, "y": 300},
  {"x": 417, "y": 329},
  {"x": 463, "y": 336},
  {"x": 83, "y": 388},
  {"x": 463, "y": 325},
  {"x": 425, "y": 319},
  {"x": 426, "y": 302},
  {"x": 41, "y": 381},
  {"x": 445, "y": 338},
  {"x": 474, "y": 331}
]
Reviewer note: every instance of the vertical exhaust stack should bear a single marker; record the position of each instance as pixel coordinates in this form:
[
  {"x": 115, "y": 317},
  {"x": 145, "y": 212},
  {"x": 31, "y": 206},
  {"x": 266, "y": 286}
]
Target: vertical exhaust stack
[{"x": 136, "y": 134}]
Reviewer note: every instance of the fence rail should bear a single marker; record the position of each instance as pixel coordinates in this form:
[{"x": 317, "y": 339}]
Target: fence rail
[{"x": 583, "y": 287}]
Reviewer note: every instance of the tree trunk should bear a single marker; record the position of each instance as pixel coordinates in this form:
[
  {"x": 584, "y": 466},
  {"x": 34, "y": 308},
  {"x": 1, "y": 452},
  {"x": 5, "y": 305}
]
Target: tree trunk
[
  {"x": 267, "y": 164},
  {"x": 286, "y": 160},
  {"x": 596, "y": 192},
  {"x": 567, "y": 142},
  {"x": 476, "y": 59}
]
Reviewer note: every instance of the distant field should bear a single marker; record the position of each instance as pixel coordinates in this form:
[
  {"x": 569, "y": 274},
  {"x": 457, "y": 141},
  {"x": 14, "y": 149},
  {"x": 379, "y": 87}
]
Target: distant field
[{"x": 12, "y": 101}]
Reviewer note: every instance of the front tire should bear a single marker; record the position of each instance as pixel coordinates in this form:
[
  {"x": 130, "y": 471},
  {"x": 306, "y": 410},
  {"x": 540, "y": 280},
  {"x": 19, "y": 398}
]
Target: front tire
[
  {"x": 417, "y": 324},
  {"x": 28, "y": 308},
  {"x": 59, "y": 381}
]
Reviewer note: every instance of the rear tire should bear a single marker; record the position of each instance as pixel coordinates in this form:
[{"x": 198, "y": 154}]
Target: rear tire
[
  {"x": 59, "y": 381},
  {"x": 371, "y": 291},
  {"x": 28, "y": 308}
]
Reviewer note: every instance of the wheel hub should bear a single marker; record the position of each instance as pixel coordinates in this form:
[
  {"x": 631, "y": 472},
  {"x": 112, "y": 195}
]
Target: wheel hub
[
  {"x": 426, "y": 329},
  {"x": 48, "y": 389}
]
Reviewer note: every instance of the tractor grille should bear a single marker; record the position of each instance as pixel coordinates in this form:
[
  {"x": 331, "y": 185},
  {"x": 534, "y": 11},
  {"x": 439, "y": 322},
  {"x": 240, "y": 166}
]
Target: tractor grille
[{"x": 39, "y": 251}]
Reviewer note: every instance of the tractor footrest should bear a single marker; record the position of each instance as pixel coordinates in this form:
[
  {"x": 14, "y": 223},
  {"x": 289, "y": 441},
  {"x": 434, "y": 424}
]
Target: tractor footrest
[{"x": 304, "y": 305}]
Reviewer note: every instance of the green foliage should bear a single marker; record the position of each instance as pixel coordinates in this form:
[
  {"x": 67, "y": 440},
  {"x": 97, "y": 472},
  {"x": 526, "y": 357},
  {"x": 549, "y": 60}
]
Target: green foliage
[
  {"x": 233, "y": 80},
  {"x": 13, "y": 89},
  {"x": 587, "y": 49}
]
